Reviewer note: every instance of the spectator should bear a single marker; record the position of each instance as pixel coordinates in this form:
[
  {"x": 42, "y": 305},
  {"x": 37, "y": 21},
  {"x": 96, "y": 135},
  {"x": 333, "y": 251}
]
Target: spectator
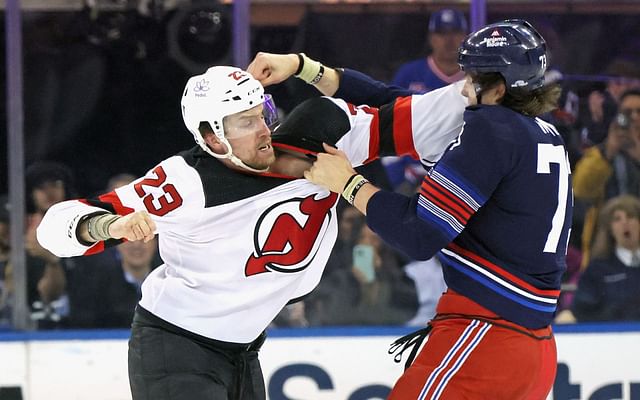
[
  {"x": 350, "y": 223},
  {"x": 47, "y": 183},
  {"x": 608, "y": 288},
  {"x": 349, "y": 226},
  {"x": 630, "y": 106},
  {"x": 447, "y": 29},
  {"x": 105, "y": 288},
  {"x": 373, "y": 291},
  {"x": 292, "y": 316},
  {"x": 430, "y": 285},
  {"x": 602, "y": 106},
  {"x": 609, "y": 169},
  {"x": 119, "y": 180}
]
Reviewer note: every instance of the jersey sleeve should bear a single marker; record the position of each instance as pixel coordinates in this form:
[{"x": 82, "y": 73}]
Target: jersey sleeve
[
  {"x": 420, "y": 126},
  {"x": 434, "y": 120},
  {"x": 449, "y": 196},
  {"x": 358, "y": 88},
  {"x": 171, "y": 193}
]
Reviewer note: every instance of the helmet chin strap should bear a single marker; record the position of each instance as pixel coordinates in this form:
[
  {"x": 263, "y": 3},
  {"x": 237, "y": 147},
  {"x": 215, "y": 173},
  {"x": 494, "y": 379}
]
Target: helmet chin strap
[{"x": 230, "y": 156}]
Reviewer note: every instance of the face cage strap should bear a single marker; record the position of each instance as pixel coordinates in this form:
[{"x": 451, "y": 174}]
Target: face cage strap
[
  {"x": 270, "y": 113},
  {"x": 230, "y": 156}
]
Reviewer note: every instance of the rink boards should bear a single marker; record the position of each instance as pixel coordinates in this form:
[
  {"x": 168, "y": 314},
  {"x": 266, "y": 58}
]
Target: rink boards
[{"x": 594, "y": 361}]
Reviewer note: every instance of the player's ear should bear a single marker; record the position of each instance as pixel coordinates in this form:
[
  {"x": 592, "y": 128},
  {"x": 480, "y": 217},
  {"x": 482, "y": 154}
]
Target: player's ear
[
  {"x": 494, "y": 94},
  {"x": 214, "y": 143},
  {"x": 501, "y": 90}
]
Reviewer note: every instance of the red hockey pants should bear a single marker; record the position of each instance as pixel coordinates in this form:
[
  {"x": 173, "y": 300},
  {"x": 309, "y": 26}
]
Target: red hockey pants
[{"x": 473, "y": 354}]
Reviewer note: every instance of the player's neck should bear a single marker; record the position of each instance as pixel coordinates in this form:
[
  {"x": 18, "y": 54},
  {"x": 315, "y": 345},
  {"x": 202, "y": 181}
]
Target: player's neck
[{"x": 287, "y": 164}]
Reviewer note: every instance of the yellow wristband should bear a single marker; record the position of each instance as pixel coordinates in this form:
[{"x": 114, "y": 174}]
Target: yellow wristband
[
  {"x": 311, "y": 72},
  {"x": 352, "y": 188}
]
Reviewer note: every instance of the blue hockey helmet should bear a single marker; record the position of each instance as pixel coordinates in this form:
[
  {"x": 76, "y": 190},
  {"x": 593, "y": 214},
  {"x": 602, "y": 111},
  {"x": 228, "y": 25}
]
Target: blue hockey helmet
[{"x": 512, "y": 48}]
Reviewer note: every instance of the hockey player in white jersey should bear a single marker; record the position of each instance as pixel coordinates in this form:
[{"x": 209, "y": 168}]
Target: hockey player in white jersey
[{"x": 241, "y": 233}]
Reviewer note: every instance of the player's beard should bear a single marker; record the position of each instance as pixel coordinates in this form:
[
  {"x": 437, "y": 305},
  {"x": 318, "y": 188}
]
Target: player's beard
[{"x": 262, "y": 159}]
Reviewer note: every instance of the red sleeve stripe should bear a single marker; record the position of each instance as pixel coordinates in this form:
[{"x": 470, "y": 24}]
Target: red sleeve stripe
[
  {"x": 444, "y": 201},
  {"x": 458, "y": 203},
  {"x": 501, "y": 272},
  {"x": 428, "y": 183},
  {"x": 113, "y": 199},
  {"x": 402, "y": 128},
  {"x": 95, "y": 249},
  {"x": 374, "y": 136}
]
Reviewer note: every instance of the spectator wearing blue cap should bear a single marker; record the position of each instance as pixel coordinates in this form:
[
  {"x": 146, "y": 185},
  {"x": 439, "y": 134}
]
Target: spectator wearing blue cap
[{"x": 447, "y": 29}]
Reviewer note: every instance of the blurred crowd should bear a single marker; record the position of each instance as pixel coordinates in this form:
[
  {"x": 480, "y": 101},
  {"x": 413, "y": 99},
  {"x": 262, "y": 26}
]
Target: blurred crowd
[{"x": 366, "y": 282}]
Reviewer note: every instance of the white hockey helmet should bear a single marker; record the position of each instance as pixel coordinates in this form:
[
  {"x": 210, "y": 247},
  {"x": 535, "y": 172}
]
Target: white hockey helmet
[{"x": 219, "y": 92}]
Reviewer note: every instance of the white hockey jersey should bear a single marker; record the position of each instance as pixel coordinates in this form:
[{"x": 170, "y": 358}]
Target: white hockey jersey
[{"x": 237, "y": 247}]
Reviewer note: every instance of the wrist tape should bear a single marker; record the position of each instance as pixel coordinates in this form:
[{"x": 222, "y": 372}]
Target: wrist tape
[
  {"x": 309, "y": 70},
  {"x": 98, "y": 226},
  {"x": 354, "y": 184}
]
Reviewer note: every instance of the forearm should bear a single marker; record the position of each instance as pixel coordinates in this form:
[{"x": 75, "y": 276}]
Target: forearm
[
  {"x": 58, "y": 231},
  {"x": 361, "y": 199},
  {"x": 358, "y": 88},
  {"x": 350, "y": 85},
  {"x": 82, "y": 232},
  {"x": 329, "y": 83},
  {"x": 394, "y": 218},
  {"x": 325, "y": 79},
  {"x": 95, "y": 228}
]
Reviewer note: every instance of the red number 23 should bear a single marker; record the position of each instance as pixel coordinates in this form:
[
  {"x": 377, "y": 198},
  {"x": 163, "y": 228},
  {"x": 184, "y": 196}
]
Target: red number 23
[{"x": 166, "y": 203}]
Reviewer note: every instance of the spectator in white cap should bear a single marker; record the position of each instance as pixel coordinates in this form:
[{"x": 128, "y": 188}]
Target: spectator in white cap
[{"x": 447, "y": 29}]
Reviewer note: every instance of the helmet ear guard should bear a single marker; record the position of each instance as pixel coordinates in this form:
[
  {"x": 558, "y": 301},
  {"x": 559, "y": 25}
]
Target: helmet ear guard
[{"x": 512, "y": 48}]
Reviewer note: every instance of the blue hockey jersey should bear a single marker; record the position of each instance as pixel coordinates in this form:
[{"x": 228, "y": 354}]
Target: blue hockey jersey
[{"x": 497, "y": 207}]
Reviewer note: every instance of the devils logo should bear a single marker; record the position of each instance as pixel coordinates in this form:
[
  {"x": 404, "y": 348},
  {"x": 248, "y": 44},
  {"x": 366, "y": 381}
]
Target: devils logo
[{"x": 288, "y": 234}]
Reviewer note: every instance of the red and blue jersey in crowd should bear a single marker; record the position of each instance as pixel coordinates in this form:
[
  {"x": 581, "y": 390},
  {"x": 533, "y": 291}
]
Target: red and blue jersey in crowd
[{"x": 423, "y": 75}]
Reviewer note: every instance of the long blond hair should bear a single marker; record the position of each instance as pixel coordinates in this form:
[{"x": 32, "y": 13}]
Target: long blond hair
[{"x": 604, "y": 243}]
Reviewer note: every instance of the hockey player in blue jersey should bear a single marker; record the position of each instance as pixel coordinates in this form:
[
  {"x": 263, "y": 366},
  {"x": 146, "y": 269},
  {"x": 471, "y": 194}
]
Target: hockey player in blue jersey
[{"x": 497, "y": 209}]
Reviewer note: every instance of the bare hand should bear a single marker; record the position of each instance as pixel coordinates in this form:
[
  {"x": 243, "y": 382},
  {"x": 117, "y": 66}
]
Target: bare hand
[
  {"x": 331, "y": 170},
  {"x": 617, "y": 139},
  {"x": 135, "y": 226},
  {"x": 271, "y": 68}
]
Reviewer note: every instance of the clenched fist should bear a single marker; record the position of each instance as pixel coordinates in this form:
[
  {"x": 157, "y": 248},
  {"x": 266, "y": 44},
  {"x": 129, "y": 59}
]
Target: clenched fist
[
  {"x": 135, "y": 226},
  {"x": 271, "y": 68}
]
